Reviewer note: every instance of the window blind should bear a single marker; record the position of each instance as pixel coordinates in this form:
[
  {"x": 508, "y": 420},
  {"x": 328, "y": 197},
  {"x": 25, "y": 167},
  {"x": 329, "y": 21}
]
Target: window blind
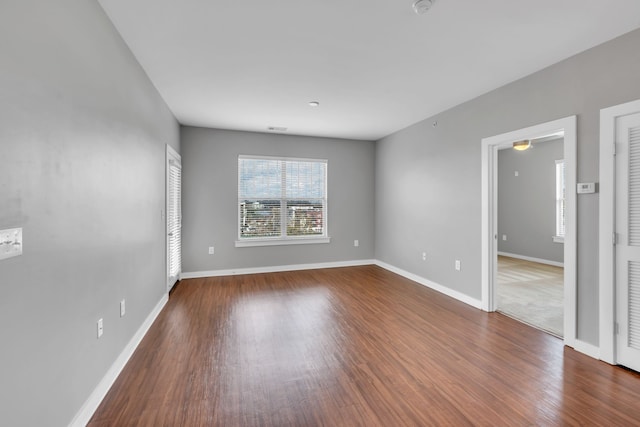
[
  {"x": 280, "y": 198},
  {"x": 174, "y": 219},
  {"x": 560, "y": 198}
]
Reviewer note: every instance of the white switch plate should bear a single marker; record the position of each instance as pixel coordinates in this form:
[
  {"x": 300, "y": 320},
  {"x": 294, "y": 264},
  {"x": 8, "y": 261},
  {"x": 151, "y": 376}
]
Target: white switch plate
[
  {"x": 356, "y": 243},
  {"x": 122, "y": 309},
  {"x": 424, "y": 256},
  {"x": 504, "y": 237},
  {"x": 212, "y": 250},
  {"x": 10, "y": 242},
  {"x": 100, "y": 328},
  {"x": 457, "y": 265}
]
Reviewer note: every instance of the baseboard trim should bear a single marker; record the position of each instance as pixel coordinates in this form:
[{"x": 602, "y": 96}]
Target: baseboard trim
[
  {"x": 275, "y": 269},
  {"x": 532, "y": 259},
  {"x": 91, "y": 404},
  {"x": 433, "y": 285},
  {"x": 586, "y": 348}
]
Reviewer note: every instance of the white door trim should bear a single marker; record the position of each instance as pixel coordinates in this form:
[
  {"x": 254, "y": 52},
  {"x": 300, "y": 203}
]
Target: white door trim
[
  {"x": 606, "y": 275},
  {"x": 489, "y": 155}
]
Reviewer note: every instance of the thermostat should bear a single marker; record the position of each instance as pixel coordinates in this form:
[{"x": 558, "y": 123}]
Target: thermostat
[{"x": 586, "y": 187}]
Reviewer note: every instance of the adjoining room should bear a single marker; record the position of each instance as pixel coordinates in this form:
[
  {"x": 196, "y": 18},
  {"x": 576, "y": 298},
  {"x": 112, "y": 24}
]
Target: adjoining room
[{"x": 531, "y": 224}]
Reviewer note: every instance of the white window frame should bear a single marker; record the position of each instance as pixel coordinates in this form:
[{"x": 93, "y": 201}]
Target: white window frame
[
  {"x": 560, "y": 200},
  {"x": 283, "y": 239}
]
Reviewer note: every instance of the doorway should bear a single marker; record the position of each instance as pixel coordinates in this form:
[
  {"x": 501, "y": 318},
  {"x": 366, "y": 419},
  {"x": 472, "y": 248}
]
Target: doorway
[
  {"x": 619, "y": 230},
  {"x": 174, "y": 217},
  {"x": 490, "y": 232},
  {"x": 531, "y": 195}
]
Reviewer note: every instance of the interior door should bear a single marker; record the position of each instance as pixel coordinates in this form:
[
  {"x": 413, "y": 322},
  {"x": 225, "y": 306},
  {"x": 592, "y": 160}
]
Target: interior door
[
  {"x": 628, "y": 241},
  {"x": 174, "y": 218}
]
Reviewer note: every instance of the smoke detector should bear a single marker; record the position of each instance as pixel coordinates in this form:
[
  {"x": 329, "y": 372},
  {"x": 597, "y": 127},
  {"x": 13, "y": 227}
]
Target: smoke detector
[{"x": 420, "y": 7}]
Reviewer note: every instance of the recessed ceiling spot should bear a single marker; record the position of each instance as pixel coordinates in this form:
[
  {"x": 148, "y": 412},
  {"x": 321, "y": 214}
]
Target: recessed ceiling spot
[{"x": 314, "y": 104}]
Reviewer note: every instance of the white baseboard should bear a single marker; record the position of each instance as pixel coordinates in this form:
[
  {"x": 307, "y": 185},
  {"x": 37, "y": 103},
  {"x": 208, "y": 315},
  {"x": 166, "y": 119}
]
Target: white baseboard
[
  {"x": 532, "y": 259},
  {"x": 586, "y": 348},
  {"x": 435, "y": 286},
  {"x": 274, "y": 269},
  {"x": 91, "y": 404}
]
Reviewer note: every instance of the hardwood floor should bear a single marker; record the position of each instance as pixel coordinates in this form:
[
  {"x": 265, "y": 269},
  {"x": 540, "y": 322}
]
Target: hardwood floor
[{"x": 356, "y": 346}]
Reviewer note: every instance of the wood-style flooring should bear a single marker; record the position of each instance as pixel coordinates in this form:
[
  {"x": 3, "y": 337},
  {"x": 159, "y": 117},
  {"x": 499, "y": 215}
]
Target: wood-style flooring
[{"x": 357, "y": 346}]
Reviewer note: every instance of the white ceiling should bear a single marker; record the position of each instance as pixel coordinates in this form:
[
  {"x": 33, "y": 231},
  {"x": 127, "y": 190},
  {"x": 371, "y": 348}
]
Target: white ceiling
[{"x": 374, "y": 66}]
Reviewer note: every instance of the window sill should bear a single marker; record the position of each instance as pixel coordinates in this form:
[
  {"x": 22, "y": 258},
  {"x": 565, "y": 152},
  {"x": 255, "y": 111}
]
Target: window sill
[
  {"x": 280, "y": 242},
  {"x": 558, "y": 239}
]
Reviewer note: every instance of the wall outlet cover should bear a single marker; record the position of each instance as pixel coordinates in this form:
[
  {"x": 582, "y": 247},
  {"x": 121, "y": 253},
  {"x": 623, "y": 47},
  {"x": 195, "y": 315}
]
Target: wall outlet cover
[{"x": 10, "y": 242}]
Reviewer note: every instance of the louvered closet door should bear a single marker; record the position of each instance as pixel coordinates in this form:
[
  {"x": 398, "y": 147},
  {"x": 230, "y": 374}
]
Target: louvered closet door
[
  {"x": 628, "y": 246},
  {"x": 174, "y": 221}
]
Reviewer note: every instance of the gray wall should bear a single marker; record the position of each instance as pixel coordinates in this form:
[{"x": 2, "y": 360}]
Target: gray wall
[
  {"x": 210, "y": 197},
  {"x": 428, "y": 178},
  {"x": 527, "y": 202},
  {"x": 82, "y": 148}
]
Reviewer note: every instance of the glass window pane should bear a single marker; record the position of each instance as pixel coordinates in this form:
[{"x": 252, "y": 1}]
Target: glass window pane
[
  {"x": 259, "y": 218},
  {"x": 305, "y": 217},
  {"x": 305, "y": 179},
  {"x": 259, "y": 178}
]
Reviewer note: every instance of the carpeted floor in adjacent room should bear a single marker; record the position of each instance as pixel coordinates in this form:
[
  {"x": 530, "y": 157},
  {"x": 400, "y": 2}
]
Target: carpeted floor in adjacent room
[{"x": 532, "y": 293}]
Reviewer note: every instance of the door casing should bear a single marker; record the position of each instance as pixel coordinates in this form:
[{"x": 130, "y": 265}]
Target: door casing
[
  {"x": 489, "y": 155},
  {"x": 606, "y": 275}
]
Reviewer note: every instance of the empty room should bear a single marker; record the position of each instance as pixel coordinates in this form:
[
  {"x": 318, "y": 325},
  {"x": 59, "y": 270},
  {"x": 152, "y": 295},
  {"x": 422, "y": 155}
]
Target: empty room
[{"x": 296, "y": 213}]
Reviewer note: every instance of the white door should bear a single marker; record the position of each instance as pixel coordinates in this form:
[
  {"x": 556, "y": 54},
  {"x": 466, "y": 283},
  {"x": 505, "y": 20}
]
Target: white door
[
  {"x": 174, "y": 218},
  {"x": 628, "y": 241}
]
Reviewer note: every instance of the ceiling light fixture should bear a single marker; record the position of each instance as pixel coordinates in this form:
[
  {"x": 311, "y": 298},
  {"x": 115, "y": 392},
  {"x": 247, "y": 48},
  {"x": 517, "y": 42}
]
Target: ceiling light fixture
[
  {"x": 521, "y": 145},
  {"x": 314, "y": 104},
  {"x": 420, "y": 7}
]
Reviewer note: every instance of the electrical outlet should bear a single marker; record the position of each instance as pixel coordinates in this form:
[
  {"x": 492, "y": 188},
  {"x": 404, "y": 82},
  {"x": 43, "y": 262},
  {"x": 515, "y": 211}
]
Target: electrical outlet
[
  {"x": 10, "y": 242},
  {"x": 504, "y": 237},
  {"x": 122, "y": 308},
  {"x": 212, "y": 250},
  {"x": 100, "y": 328},
  {"x": 424, "y": 256},
  {"x": 356, "y": 243},
  {"x": 457, "y": 265}
]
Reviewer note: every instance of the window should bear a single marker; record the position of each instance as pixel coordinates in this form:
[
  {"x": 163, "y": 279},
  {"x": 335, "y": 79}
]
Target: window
[
  {"x": 560, "y": 202},
  {"x": 281, "y": 201}
]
